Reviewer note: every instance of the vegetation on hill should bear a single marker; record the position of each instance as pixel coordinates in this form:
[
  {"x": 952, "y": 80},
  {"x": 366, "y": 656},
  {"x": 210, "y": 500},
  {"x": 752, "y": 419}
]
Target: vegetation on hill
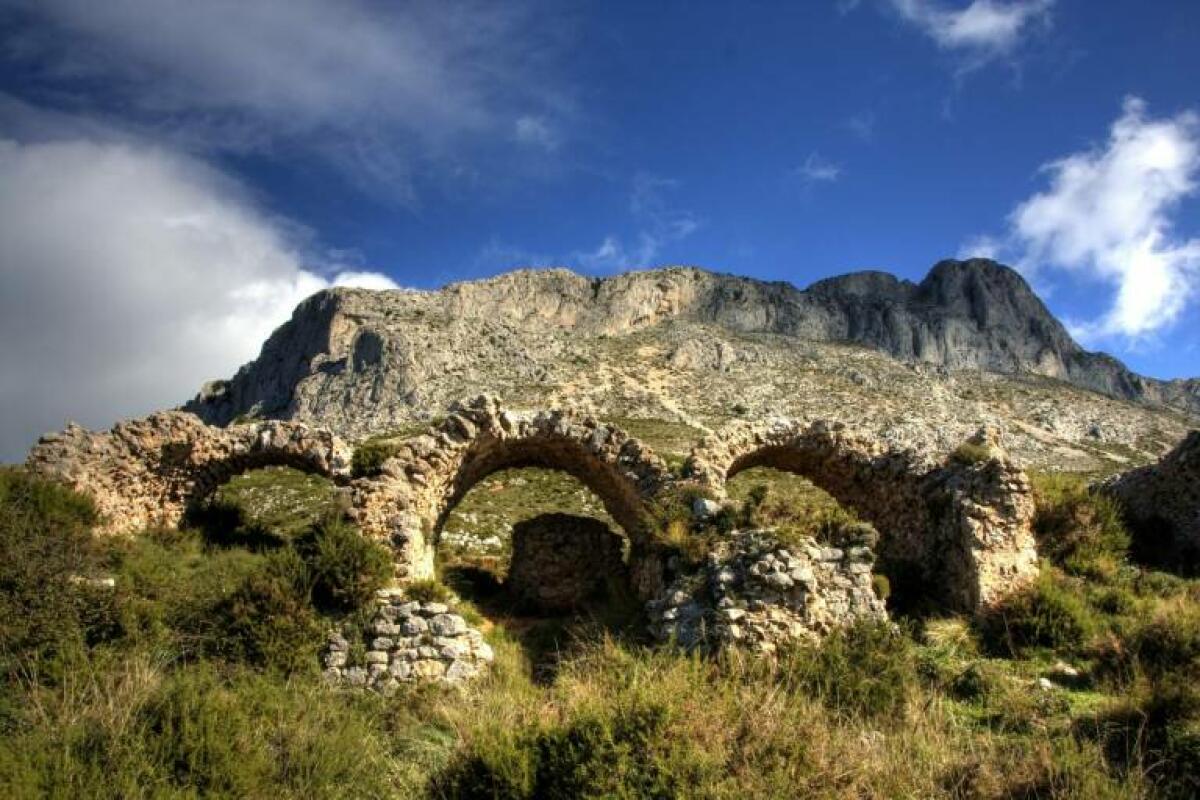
[{"x": 195, "y": 674}]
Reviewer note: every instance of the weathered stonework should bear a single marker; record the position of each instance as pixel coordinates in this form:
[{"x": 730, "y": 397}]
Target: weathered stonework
[
  {"x": 559, "y": 561},
  {"x": 960, "y": 527},
  {"x": 757, "y": 593},
  {"x": 408, "y": 501},
  {"x": 146, "y": 472},
  {"x": 408, "y": 642},
  {"x": 1162, "y": 504}
]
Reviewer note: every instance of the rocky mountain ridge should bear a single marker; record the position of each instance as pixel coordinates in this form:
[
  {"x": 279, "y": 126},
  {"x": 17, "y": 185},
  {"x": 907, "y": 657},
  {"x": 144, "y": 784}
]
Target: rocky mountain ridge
[{"x": 646, "y": 343}]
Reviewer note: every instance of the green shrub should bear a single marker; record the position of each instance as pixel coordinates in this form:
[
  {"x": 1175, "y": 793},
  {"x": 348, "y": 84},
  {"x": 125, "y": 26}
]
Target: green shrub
[
  {"x": 1077, "y": 529},
  {"x": 1157, "y": 728},
  {"x": 369, "y": 456},
  {"x": 47, "y": 556},
  {"x": 427, "y": 591},
  {"x": 978, "y": 682},
  {"x": 1163, "y": 645},
  {"x": 866, "y": 670},
  {"x": 611, "y": 753},
  {"x": 971, "y": 453},
  {"x": 344, "y": 568},
  {"x": 1045, "y": 614},
  {"x": 268, "y": 620}
]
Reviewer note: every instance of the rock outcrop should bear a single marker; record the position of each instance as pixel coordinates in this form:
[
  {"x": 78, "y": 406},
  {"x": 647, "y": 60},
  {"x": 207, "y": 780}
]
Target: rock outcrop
[
  {"x": 358, "y": 360},
  {"x": 1162, "y": 505}
]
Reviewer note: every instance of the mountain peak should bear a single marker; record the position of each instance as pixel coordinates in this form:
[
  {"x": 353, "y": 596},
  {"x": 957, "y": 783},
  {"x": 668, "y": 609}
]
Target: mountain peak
[{"x": 964, "y": 315}]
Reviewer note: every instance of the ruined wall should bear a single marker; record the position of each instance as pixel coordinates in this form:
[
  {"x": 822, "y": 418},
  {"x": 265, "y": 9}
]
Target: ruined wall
[
  {"x": 757, "y": 593},
  {"x": 560, "y": 561},
  {"x": 145, "y": 472},
  {"x": 1162, "y": 505},
  {"x": 960, "y": 527},
  {"x": 407, "y": 502}
]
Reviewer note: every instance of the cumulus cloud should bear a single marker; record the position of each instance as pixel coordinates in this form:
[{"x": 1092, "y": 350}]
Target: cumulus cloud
[
  {"x": 984, "y": 27},
  {"x": 1109, "y": 215},
  {"x": 817, "y": 169},
  {"x": 378, "y": 89},
  {"x": 128, "y": 276}
]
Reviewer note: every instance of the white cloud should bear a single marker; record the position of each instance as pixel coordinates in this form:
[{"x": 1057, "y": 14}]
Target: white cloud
[
  {"x": 980, "y": 247},
  {"x": 1109, "y": 215},
  {"x": 128, "y": 276},
  {"x": 984, "y": 27},
  {"x": 816, "y": 169},
  {"x": 379, "y": 89},
  {"x": 364, "y": 280}
]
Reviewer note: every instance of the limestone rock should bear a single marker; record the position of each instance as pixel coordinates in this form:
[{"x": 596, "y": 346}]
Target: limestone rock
[{"x": 356, "y": 358}]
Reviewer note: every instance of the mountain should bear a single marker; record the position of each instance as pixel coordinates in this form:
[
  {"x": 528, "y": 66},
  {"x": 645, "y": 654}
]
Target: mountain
[{"x": 645, "y": 344}]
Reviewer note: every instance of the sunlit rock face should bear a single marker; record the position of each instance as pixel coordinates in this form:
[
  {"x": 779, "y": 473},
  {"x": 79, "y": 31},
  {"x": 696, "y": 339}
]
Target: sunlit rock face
[{"x": 359, "y": 361}]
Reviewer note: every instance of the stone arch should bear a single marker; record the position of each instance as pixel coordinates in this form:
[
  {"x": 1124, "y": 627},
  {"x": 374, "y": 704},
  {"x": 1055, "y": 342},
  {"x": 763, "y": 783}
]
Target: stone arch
[
  {"x": 961, "y": 528},
  {"x": 407, "y": 503},
  {"x": 148, "y": 471}
]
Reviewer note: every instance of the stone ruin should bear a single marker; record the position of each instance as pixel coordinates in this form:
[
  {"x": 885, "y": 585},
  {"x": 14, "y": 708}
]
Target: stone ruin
[
  {"x": 959, "y": 526},
  {"x": 1161, "y": 503},
  {"x": 408, "y": 641},
  {"x": 754, "y": 591},
  {"x": 147, "y": 472},
  {"x": 560, "y": 561}
]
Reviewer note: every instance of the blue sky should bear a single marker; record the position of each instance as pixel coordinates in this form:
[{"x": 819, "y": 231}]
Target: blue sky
[{"x": 174, "y": 176}]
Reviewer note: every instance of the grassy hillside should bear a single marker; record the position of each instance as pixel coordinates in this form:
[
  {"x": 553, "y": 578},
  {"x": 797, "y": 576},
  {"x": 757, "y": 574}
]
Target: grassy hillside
[{"x": 194, "y": 673}]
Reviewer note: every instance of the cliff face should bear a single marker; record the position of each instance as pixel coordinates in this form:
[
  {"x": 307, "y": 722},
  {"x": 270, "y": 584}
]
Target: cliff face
[{"x": 378, "y": 355}]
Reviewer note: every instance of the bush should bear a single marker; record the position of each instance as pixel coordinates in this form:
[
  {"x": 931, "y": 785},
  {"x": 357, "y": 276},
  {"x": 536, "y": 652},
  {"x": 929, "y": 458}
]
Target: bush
[
  {"x": 47, "y": 556},
  {"x": 344, "y": 568},
  {"x": 866, "y": 670},
  {"x": 971, "y": 453},
  {"x": 599, "y": 753},
  {"x": 1167, "y": 643},
  {"x": 1076, "y": 529},
  {"x": 369, "y": 456},
  {"x": 268, "y": 621},
  {"x": 427, "y": 591},
  {"x": 1158, "y": 729},
  {"x": 1044, "y": 614}
]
